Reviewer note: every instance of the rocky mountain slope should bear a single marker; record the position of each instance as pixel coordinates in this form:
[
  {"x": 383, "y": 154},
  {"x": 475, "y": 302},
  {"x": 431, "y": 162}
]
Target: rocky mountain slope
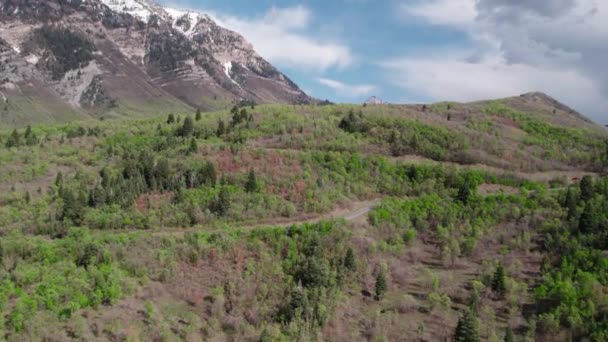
[{"x": 61, "y": 60}]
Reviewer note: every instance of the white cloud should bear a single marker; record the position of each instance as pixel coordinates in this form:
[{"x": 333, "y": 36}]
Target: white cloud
[
  {"x": 554, "y": 46},
  {"x": 279, "y": 37},
  {"x": 461, "y": 13},
  {"x": 348, "y": 89},
  {"x": 445, "y": 78}
]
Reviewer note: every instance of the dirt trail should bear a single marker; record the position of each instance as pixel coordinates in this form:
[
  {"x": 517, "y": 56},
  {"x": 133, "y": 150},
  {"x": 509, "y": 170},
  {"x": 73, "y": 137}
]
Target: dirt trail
[{"x": 354, "y": 211}]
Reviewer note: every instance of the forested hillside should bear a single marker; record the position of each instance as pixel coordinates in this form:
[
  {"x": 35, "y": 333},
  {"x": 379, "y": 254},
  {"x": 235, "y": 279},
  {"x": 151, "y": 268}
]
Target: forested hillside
[{"x": 484, "y": 221}]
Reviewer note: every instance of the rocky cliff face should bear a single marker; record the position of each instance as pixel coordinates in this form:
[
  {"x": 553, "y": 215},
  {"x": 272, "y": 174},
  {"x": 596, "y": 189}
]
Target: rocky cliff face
[{"x": 127, "y": 57}]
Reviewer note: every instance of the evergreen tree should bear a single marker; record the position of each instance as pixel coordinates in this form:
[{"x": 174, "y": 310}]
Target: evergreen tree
[
  {"x": 222, "y": 204},
  {"x": 588, "y": 220},
  {"x": 464, "y": 192},
  {"x": 586, "y": 186},
  {"x": 571, "y": 203},
  {"x": 30, "y": 137},
  {"x": 162, "y": 173},
  {"x": 187, "y": 127},
  {"x": 315, "y": 273},
  {"x": 509, "y": 335},
  {"x": 467, "y": 329},
  {"x": 251, "y": 185},
  {"x": 105, "y": 177},
  {"x": 221, "y": 129},
  {"x": 474, "y": 300},
  {"x": 206, "y": 175},
  {"x": 498, "y": 281},
  {"x": 193, "y": 148},
  {"x": 171, "y": 119},
  {"x": 13, "y": 140},
  {"x": 380, "y": 285},
  {"x": 59, "y": 180},
  {"x": 349, "y": 260},
  {"x": 72, "y": 207},
  {"x": 198, "y": 115}
]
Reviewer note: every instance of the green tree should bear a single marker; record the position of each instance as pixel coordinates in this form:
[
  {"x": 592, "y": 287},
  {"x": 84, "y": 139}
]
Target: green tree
[
  {"x": 349, "y": 259},
  {"x": 198, "y": 115},
  {"x": 222, "y": 203},
  {"x": 588, "y": 221},
  {"x": 498, "y": 281},
  {"x": 467, "y": 329},
  {"x": 193, "y": 146},
  {"x": 187, "y": 127},
  {"x": 315, "y": 273},
  {"x": 380, "y": 285},
  {"x": 206, "y": 175},
  {"x": 72, "y": 207},
  {"x": 586, "y": 186},
  {"x": 571, "y": 203},
  {"x": 14, "y": 139},
  {"x": 221, "y": 128},
  {"x": 464, "y": 192},
  {"x": 509, "y": 334},
  {"x": 59, "y": 179},
  {"x": 251, "y": 185},
  {"x": 30, "y": 137},
  {"x": 170, "y": 119}
]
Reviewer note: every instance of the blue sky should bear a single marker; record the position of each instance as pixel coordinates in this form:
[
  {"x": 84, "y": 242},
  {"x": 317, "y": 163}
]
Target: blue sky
[{"x": 429, "y": 50}]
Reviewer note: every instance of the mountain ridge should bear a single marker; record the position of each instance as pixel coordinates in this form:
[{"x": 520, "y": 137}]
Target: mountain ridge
[{"x": 134, "y": 58}]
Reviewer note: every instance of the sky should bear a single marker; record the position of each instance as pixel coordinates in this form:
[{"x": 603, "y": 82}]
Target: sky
[{"x": 415, "y": 51}]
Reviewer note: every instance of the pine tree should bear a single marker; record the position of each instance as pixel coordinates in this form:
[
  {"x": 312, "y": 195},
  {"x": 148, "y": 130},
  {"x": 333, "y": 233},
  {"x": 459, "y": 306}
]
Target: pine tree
[
  {"x": 13, "y": 140},
  {"x": 464, "y": 192},
  {"x": 170, "y": 119},
  {"x": 349, "y": 260},
  {"x": 206, "y": 175},
  {"x": 221, "y": 129},
  {"x": 498, "y": 281},
  {"x": 198, "y": 115},
  {"x": 586, "y": 186},
  {"x": 474, "y": 300},
  {"x": 509, "y": 334},
  {"x": 587, "y": 221},
  {"x": 251, "y": 185},
  {"x": 193, "y": 148},
  {"x": 59, "y": 179},
  {"x": 30, "y": 137},
  {"x": 467, "y": 329},
  {"x": 222, "y": 204},
  {"x": 380, "y": 285},
  {"x": 187, "y": 127},
  {"x": 571, "y": 204}
]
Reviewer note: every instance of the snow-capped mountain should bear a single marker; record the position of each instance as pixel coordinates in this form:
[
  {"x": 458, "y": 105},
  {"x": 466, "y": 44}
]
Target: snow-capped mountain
[{"x": 127, "y": 57}]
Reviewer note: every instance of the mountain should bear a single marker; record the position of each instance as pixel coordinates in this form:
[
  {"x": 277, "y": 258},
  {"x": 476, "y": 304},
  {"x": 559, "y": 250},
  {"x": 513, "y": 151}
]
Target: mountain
[{"x": 62, "y": 60}]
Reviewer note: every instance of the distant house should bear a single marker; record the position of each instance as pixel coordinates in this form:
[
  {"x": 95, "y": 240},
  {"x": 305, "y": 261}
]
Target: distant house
[{"x": 374, "y": 101}]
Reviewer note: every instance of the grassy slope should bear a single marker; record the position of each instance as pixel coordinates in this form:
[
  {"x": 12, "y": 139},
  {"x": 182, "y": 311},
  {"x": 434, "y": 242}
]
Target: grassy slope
[{"x": 203, "y": 277}]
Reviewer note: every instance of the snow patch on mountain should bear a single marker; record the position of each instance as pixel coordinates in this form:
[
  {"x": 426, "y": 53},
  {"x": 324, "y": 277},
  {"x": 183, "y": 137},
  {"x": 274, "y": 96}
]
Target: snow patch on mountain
[
  {"x": 228, "y": 70},
  {"x": 138, "y": 9}
]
